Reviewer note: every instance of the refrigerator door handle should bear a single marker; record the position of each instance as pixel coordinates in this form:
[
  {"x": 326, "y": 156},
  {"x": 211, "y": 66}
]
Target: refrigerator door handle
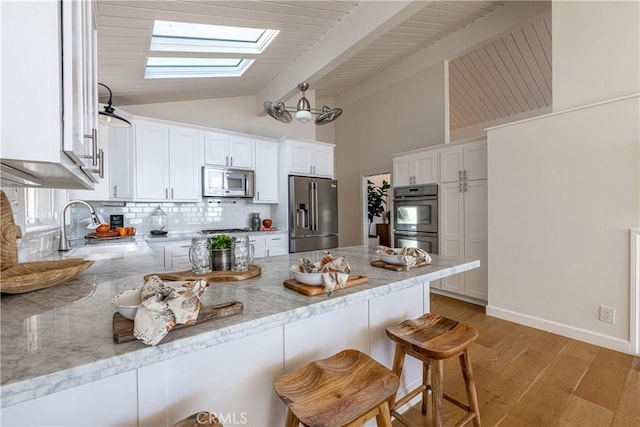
[
  {"x": 315, "y": 206},
  {"x": 311, "y": 207}
]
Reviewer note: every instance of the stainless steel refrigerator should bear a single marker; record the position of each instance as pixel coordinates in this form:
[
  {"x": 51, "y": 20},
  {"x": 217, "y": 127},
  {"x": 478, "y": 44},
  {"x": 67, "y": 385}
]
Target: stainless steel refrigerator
[{"x": 313, "y": 213}]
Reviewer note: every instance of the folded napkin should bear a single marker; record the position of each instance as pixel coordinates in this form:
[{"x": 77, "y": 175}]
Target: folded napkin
[
  {"x": 409, "y": 256},
  {"x": 335, "y": 272},
  {"x": 163, "y": 307}
]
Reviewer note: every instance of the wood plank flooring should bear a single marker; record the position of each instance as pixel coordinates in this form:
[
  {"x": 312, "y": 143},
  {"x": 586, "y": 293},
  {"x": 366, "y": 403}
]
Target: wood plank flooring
[{"x": 528, "y": 377}]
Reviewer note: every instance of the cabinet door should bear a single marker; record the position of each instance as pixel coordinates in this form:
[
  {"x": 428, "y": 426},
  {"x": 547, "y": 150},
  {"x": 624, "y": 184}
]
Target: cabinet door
[
  {"x": 241, "y": 152},
  {"x": 475, "y": 237},
  {"x": 300, "y": 158},
  {"x": 451, "y": 164},
  {"x": 259, "y": 245},
  {"x": 451, "y": 203},
  {"x": 121, "y": 167},
  {"x": 426, "y": 167},
  {"x": 184, "y": 164},
  {"x": 266, "y": 177},
  {"x": 402, "y": 171},
  {"x": 216, "y": 149},
  {"x": 77, "y": 76},
  {"x": 323, "y": 161},
  {"x": 152, "y": 171},
  {"x": 475, "y": 160}
]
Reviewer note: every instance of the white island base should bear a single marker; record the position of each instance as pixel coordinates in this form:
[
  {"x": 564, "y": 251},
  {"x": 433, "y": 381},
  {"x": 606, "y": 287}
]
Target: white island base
[{"x": 233, "y": 379}]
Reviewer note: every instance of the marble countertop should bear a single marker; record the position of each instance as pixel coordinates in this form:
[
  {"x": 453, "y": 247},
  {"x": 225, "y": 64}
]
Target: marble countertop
[{"x": 62, "y": 337}]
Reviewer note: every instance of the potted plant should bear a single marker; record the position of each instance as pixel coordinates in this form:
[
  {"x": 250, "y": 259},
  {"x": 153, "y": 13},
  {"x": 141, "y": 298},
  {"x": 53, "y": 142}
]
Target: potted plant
[
  {"x": 221, "y": 255},
  {"x": 377, "y": 201}
]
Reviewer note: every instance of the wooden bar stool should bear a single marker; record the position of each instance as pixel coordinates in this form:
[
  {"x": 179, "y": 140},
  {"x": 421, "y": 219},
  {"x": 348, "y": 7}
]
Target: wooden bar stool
[
  {"x": 199, "y": 419},
  {"x": 345, "y": 389},
  {"x": 433, "y": 339}
]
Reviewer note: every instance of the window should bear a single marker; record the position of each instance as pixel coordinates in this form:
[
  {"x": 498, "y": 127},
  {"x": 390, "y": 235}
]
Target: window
[{"x": 171, "y": 36}]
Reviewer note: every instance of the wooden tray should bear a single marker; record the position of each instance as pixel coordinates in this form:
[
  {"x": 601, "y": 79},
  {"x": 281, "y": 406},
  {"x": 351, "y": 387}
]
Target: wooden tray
[
  {"x": 123, "y": 328},
  {"x": 310, "y": 290},
  {"x": 214, "y": 276},
  {"x": 32, "y": 276},
  {"x": 394, "y": 267}
]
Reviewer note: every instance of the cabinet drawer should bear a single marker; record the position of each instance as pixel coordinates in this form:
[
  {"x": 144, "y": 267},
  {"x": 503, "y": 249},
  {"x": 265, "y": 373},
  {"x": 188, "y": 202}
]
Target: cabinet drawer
[
  {"x": 180, "y": 250},
  {"x": 278, "y": 241}
]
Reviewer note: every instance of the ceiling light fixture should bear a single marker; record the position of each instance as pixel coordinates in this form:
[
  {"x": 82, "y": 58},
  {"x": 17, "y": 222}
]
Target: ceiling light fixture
[
  {"x": 109, "y": 118},
  {"x": 303, "y": 110}
]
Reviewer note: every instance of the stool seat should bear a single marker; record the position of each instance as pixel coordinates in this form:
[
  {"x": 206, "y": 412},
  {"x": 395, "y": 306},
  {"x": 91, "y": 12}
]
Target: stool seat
[
  {"x": 433, "y": 335},
  {"x": 199, "y": 419},
  {"x": 338, "y": 390},
  {"x": 432, "y": 339}
]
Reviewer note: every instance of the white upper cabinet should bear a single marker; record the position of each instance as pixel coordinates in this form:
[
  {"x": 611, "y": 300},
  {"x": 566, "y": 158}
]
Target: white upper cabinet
[
  {"x": 308, "y": 158},
  {"x": 168, "y": 162},
  {"x": 266, "y": 176},
  {"x": 228, "y": 150},
  {"x": 45, "y": 73},
  {"x": 418, "y": 168},
  {"x": 465, "y": 161},
  {"x": 121, "y": 166}
]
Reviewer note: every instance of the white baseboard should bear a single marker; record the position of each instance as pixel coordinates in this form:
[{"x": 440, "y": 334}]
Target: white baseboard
[{"x": 561, "y": 329}]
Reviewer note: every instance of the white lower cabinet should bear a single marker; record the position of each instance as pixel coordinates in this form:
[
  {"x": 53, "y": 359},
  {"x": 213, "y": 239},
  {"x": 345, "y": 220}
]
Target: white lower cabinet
[
  {"x": 111, "y": 401},
  {"x": 270, "y": 244}
]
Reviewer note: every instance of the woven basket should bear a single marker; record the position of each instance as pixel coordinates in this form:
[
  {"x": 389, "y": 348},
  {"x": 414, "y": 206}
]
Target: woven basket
[{"x": 32, "y": 276}]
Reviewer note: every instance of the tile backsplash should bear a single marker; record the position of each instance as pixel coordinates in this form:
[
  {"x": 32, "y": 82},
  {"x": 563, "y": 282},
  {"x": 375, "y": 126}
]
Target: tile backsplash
[{"x": 214, "y": 213}]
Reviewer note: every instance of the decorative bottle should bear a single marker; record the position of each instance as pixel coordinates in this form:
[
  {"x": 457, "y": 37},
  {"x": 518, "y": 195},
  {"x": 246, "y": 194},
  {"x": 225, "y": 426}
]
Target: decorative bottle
[{"x": 255, "y": 221}]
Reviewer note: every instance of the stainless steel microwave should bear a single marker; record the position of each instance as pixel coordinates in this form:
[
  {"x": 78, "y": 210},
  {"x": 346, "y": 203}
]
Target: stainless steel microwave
[{"x": 223, "y": 182}]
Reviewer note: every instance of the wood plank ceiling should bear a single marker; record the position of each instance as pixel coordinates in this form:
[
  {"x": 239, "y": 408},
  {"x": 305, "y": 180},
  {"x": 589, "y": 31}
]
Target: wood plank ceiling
[{"x": 508, "y": 75}]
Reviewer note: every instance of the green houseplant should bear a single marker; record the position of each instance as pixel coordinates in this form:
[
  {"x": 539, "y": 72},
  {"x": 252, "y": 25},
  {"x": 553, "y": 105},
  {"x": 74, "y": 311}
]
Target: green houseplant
[
  {"x": 221, "y": 255},
  {"x": 377, "y": 201}
]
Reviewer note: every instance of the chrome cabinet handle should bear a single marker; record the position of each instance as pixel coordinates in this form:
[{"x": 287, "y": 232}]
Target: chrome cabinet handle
[
  {"x": 230, "y": 160},
  {"x": 94, "y": 148},
  {"x": 257, "y": 195},
  {"x": 101, "y": 167},
  {"x": 465, "y": 174},
  {"x": 166, "y": 193},
  {"x": 115, "y": 191},
  {"x": 172, "y": 192},
  {"x": 226, "y": 160},
  {"x": 465, "y": 186},
  {"x": 459, "y": 186},
  {"x": 459, "y": 175}
]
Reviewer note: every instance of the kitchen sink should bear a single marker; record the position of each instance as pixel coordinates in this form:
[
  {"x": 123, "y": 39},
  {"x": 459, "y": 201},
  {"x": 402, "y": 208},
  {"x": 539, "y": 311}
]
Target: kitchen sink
[{"x": 103, "y": 251}]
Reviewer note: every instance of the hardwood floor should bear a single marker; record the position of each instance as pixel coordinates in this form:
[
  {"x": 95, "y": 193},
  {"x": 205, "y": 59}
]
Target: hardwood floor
[{"x": 528, "y": 377}]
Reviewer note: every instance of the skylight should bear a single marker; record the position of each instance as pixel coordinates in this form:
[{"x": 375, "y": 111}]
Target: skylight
[
  {"x": 186, "y": 37},
  {"x": 167, "y": 68}
]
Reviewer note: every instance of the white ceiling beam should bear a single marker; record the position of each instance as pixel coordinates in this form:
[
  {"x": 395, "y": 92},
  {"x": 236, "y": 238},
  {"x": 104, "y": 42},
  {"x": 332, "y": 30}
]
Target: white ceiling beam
[
  {"x": 356, "y": 31},
  {"x": 460, "y": 42}
]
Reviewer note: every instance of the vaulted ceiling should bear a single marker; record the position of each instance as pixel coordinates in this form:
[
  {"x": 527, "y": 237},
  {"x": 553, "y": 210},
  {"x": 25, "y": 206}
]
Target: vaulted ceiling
[{"x": 335, "y": 46}]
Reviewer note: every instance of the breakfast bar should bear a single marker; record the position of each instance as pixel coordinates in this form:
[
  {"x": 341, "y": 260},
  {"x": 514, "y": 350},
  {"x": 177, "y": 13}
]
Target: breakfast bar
[{"x": 61, "y": 366}]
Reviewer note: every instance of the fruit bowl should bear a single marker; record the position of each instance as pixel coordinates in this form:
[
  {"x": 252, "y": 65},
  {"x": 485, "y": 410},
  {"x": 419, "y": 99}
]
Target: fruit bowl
[{"x": 396, "y": 258}]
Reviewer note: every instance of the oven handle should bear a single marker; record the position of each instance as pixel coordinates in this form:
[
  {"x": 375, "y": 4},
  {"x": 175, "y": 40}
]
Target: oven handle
[{"x": 414, "y": 199}]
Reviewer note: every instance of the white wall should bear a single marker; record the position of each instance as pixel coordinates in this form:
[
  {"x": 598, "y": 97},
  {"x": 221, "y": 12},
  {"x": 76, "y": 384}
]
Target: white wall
[
  {"x": 235, "y": 114},
  {"x": 405, "y": 116},
  {"x": 595, "y": 51},
  {"x": 563, "y": 195}
]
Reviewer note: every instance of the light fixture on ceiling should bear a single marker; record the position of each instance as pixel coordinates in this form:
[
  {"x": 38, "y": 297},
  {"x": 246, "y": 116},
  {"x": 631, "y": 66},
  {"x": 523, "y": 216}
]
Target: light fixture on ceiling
[
  {"x": 303, "y": 110},
  {"x": 109, "y": 118}
]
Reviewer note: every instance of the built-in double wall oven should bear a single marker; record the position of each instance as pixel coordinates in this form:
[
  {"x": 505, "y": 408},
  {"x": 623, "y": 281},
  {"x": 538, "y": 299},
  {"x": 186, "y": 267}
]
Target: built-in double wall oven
[{"x": 415, "y": 219}]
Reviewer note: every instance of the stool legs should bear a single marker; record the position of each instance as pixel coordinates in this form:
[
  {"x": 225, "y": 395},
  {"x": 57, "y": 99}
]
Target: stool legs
[
  {"x": 383, "y": 419},
  {"x": 437, "y": 377},
  {"x": 470, "y": 386},
  {"x": 426, "y": 381}
]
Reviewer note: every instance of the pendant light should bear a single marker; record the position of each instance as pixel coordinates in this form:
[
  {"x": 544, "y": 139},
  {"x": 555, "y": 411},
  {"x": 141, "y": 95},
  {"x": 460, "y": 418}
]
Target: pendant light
[
  {"x": 303, "y": 111},
  {"x": 109, "y": 117}
]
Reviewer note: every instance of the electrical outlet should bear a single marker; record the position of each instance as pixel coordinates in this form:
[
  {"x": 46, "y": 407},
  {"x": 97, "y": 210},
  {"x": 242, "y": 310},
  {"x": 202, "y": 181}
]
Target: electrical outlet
[{"x": 607, "y": 314}]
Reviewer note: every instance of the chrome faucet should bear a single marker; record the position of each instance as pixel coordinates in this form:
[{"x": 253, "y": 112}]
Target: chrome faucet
[{"x": 64, "y": 242}]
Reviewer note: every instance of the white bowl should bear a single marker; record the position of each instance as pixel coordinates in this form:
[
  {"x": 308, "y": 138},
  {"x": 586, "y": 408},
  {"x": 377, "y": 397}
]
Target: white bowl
[
  {"x": 127, "y": 303},
  {"x": 309, "y": 278},
  {"x": 396, "y": 259}
]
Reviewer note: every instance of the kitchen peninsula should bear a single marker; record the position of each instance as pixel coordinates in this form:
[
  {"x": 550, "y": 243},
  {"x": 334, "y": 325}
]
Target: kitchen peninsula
[{"x": 60, "y": 365}]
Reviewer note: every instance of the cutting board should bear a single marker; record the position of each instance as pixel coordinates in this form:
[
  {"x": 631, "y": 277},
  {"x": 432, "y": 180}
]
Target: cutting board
[
  {"x": 382, "y": 264},
  {"x": 123, "y": 328},
  {"x": 214, "y": 276},
  {"x": 311, "y": 291}
]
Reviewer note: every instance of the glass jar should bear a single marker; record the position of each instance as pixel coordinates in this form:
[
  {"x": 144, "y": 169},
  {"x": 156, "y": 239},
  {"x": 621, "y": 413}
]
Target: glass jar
[
  {"x": 243, "y": 253},
  {"x": 158, "y": 221},
  {"x": 200, "y": 256}
]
